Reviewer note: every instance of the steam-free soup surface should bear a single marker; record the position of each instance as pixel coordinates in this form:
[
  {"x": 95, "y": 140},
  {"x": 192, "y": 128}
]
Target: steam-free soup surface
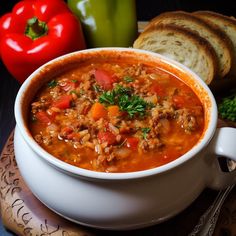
[{"x": 116, "y": 117}]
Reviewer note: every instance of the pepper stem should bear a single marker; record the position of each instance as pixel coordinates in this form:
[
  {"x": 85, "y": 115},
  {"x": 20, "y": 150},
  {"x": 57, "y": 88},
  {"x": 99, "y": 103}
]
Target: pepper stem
[{"x": 35, "y": 28}]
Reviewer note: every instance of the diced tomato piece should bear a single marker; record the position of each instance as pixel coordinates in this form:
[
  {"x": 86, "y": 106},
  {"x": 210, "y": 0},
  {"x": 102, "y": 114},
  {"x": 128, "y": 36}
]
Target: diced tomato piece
[
  {"x": 98, "y": 111},
  {"x": 106, "y": 136},
  {"x": 132, "y": 142},
  {"x": 158, "y": 89},
  {"x": 104, "y": 79},
  {"x": 43, "y": 117},
  {"x": 63, "y": 102},
  {"x": 178, "y": 101}
]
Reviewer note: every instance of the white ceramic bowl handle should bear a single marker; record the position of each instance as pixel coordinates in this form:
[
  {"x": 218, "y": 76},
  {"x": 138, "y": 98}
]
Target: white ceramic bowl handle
[{"x": 222, "y": 144}]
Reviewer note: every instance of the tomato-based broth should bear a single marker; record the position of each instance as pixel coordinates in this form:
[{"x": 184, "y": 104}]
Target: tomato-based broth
[{"x": 116, "y": 116}]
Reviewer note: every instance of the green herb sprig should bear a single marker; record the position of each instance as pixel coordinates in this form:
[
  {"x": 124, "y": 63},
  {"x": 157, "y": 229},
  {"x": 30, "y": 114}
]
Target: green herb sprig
[
  {"x": 133, "y": 105},
  {"x": 112, "y": 97},
  {"x": 227, "y": 108},
  {"x": 145, "y": 131},
  {"x": 127, "y": 101},
  {"x": 52, "y": 84},
  {"x": 128, "y": 79},
  {"x": 108, "y": 98}
]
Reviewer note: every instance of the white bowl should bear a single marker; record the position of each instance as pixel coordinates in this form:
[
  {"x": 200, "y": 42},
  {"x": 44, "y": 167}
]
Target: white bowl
[{"x": 121, "y": 200}]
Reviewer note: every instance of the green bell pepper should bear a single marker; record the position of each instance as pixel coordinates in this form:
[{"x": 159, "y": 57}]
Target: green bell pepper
[{"x": 106, "y": 22}]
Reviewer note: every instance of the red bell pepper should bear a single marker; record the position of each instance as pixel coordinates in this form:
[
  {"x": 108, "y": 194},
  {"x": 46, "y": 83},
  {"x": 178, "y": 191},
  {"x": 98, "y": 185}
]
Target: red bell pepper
[
  {"x": 35, "y": 32},
  {"x": 104, "y": 79},
  {"x": 43, "y": 117},
  {"x": 132, "y": 142},
  {"x": 106, "y": 136},
  {"x": 63, "y": 102}
]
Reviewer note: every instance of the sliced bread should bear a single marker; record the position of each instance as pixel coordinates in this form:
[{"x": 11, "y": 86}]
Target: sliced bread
[
  {"x": 218, "y": 39},
  {"x": 181, "y": 45},
  {"x": 226, "y": 24}
]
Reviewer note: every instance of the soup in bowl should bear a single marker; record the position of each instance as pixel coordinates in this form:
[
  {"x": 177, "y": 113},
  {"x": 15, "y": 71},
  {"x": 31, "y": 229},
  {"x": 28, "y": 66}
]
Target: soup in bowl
[
  {"x": 116, "y": 116},
  {"x": 108, "y": 137}
]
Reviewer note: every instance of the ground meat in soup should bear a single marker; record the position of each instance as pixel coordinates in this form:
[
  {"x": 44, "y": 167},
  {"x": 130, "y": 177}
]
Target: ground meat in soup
[{"x": 116, "y": 117}]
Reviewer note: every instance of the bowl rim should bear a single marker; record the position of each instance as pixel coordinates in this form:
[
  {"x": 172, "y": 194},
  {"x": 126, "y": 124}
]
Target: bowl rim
[{"x": 208, "y": 133}]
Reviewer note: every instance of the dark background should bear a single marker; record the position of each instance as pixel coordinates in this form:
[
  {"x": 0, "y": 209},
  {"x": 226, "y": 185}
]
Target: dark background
[{"x": 146, "y": 9}]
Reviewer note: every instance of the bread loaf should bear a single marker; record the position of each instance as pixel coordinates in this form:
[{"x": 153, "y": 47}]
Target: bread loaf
[
  {"x": 226, "y": 24},
  {"x": 218, "y": 39},
  {"x": 181, "y": 45}
]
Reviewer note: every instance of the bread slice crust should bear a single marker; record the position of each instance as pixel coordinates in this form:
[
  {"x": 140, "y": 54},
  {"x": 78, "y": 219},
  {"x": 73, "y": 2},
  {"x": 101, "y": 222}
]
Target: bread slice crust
[
  {"x": 181, "y": 45},
  {"x": 224, "y": 23},
  {"x": 217, "y": 38}
]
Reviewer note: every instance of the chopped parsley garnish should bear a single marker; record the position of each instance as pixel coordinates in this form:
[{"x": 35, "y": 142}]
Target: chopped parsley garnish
[
  {"x": 227, "y": 108},
  {"x": 128, "y": 79},
  {"x": 133, "y": 105},
  {"x": 145, "y": 131},
  {"x": 108, "y": 98},
  {"x": 120, "y": 90},
  {"x": 126, "y": 100},
  {"x": 112, "y": 97},
  {"x": 52, "y": 84}
]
